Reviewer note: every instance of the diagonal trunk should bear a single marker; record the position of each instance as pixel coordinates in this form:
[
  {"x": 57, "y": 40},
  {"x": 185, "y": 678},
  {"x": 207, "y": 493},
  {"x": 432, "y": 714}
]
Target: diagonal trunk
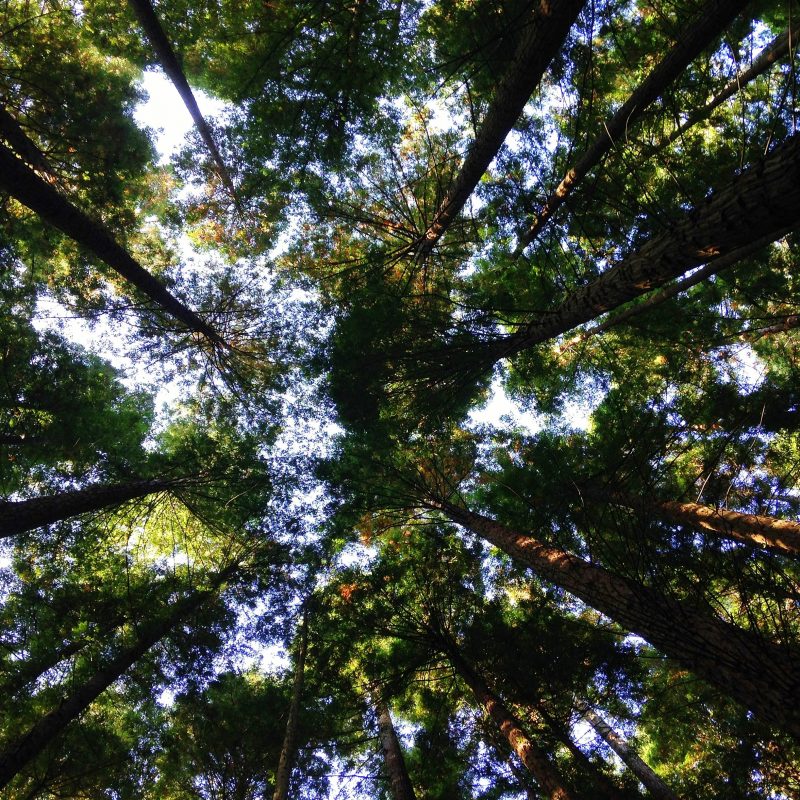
[
  {"x": 545, "y": 32},
  {"x": 760, "y": 675},
  {"x": 289, "y": 748},
  {"x": 24, "y": 185},
  {"x": 12, "y": 132},
  {"x": 535, "y": 760},
  {"x": 759, "y": 204},
  {"x": 28, "y": 746},
  {"x": 696, "y": 37},
  {"x": 779, "y": 47},
  {"x": 148, "y": 19},
  {"x": 399, "y": 782},
  {"x": 17, "y": 516},
  {"x": 629, "y": 756}
]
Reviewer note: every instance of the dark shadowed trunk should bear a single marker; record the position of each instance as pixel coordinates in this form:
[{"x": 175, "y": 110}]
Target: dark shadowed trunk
[
  {"x": 695, "y": 37},
  {"x": 764, "y": 677}
]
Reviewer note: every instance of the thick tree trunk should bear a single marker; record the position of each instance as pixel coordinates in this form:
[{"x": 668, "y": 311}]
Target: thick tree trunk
[
  {"x": 12, "y": 132},
  {"x": 545, "y": 32},
  {"x": 764, "y": 677},
  {"x": 779, "y": 535},
  {"x": 17, "y": 516},
  {"x": 758, "y": 205},
  {"x": 21, "y": 752},
  {"x": 148, "y": 19},
  {"x": 24, "y": 185},
  {"x": 696, "y": 37},
  {"x": 534, "y": 759},
  {"x": 399, "y": 782},
  {"x": 779, "y": 47},
  {"x": 629, "y": 756},
  {"x": 289, "y": 748}
]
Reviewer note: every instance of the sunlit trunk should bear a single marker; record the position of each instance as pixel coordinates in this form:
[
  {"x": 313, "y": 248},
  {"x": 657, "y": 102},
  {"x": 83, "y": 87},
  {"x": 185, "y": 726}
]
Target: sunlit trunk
[{"x": 399, "y": 782}]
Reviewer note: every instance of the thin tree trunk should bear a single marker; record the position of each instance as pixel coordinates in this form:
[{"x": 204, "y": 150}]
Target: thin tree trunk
[
  {"x": 32, "y": 669},
  {"x": 764, "y": 677},
  {"x": 399, "y": 782},
  {"x": 289, "y": 749},
  {"x": 17, "y": 516},
  {"x": 534, "y": 759},
  {"x": 759, "y": 205},
  {"x": 22, "y": 751},
  {"x": 29, "y": 189},
  {"x": 545, "y": 32},
  {"x": 148, "y": 19},
  {"x": 779, "y": 47},
  {"x": 629, "y": 756},
  {"x": 779, "y": 535},
  {"x": 696, "y": 37}
]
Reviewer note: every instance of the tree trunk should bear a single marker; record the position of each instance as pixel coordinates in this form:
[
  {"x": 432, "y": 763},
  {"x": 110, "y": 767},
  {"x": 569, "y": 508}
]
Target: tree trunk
[
  {"x": 764, "y": 677},
  {"x": 17, "y": 516},
  {"x": 399, "y": 782},
  {"x": 11, "y": 131},
  {"x": 545, "y": 31},
  {"x": 29, "y": 189},
  {"x": 758, "y": 205},
  {"x": 779, "y": 47},
  {"x": 21, "y": 752},
  {"x": 289, "y": 749},
  {"x": 629, "y": 756},
  {"x": 534, "y": 759},
  {"x": 696, "y": 37},
  {"x": 148, "y": 19},
  {"x": 771, "y": 533}
]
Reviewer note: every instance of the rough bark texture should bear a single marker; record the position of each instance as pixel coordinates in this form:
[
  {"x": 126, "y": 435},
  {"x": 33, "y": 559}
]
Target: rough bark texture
[
  {"x": 629, "y": 756},
  {"x": 778, "y": 48},
  {"x": 289, "y": 748},
  {"x": 545, "y": 32},
  {"x": 19, "y": 753},
  {"x": 29, "y": 189},
  {"x": 148, "y": 19},
  {"x": 399, "y": 782},
  {"x": 697, "y": 36},
  {"x": 25, "y": 515},
  {"x": 534, "y": 759},
  {"x": 764, "y": 677},
  {"x": 758, "y": 206}
]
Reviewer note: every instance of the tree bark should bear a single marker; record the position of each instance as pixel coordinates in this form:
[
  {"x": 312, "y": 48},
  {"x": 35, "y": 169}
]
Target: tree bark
[
  {"x": 761, "y": 203},
  {"x": 17, "y": 516},
  {"x": 545, "y": 31},
  {"x": 763, "y": 676},
  {"x": 12, "y": 132},
  {"x": 149, "y": 21},
  {"x": 534, "y": 759},
  {"x": 696, "y": 36},
  {"x": 289, "y": 748},
  {"x": 29, "y": 189},
  {"x": 629, "y": 756},
  {"x": 399, "y": 782},
  {"x": 21, "y": 752}
]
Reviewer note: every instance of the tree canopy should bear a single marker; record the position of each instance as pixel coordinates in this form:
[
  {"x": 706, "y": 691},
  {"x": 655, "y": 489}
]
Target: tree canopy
[{"x": 425, "y": 426}]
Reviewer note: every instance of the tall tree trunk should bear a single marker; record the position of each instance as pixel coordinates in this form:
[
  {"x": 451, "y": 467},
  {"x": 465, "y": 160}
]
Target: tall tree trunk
[
  {"x": 758, "y": 205},
  {"x": 764, "y": 677},
  {"x": 24, "y": 185},
  {"x": 12, "y": 132},
  {"x": 779, "y": 47},
  {"x": 27, "y": 747},
  {"x": 629, "y": 756},
  {"x": 545, "y": 31},
  {"x": 289, "y": 749},
  {"x": 399, "y": 782},
  {"x": 535, "y": 760},
  {"x": 778, "y": 535},
  {"x": 17, "y": 516},
  {"x": 148, "y": 19},
  {"x": 695, "y": 37}
]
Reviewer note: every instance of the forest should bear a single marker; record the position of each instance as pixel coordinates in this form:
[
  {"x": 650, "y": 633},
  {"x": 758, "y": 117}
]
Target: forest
[{"x": 425, "y": 426}]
